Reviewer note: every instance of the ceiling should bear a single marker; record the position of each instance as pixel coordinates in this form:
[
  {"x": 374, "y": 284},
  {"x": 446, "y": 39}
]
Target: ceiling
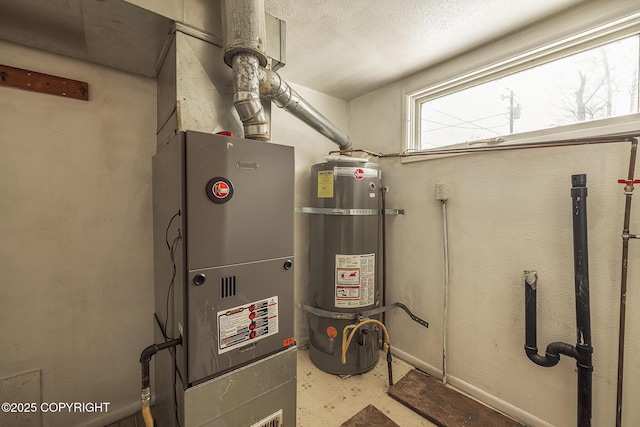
[
  {"x": 347, "y": 48},
  {"x": 344, "y": 48}
]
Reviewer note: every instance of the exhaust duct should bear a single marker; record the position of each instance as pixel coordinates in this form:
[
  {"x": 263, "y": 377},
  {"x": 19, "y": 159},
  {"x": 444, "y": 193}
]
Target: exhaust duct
[
  {"x": 244, "y": 51},
  {"x": 246, "y": 96}
]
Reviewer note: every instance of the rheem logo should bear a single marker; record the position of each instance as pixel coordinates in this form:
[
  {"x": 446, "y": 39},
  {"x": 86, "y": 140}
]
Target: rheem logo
[{"x": 219, "y": 190}]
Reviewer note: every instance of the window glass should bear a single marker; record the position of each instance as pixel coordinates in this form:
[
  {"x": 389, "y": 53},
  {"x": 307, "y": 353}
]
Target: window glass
[{"x": 594, "y": 84}]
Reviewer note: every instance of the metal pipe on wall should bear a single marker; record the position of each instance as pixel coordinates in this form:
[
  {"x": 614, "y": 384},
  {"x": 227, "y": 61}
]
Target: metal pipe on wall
[{"x": 628, "y": 191}]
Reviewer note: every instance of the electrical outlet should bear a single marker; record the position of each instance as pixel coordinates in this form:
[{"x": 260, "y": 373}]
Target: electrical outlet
[{"x": 442, "y": 192}]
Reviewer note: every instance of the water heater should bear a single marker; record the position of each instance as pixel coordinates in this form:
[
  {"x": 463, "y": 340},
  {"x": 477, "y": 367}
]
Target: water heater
[{"x": 345, "y": 208}]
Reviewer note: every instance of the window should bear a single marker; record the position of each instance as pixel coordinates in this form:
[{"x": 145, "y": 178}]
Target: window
[{"x": 571, "y": 87}]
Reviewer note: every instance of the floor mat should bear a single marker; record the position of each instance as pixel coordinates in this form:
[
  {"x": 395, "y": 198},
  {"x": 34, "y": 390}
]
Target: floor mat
[
  {"x": 369, "y": 417},
  {"x": 444, "y": 406}
]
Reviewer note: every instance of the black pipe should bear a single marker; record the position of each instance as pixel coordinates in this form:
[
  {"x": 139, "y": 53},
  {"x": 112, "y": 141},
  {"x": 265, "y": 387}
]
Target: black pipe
[
  {"x": 583, "y": 350},
  {"x": 583, "y": 315},
  {"x": 555, "y": 349},
  {"x": 147, "y": 354}
]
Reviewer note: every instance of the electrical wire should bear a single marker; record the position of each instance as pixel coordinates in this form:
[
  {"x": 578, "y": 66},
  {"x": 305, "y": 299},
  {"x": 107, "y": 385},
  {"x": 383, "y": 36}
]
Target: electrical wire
[
  {"x": 166, "y": 232},
  {"x": 173, "y": 248},
  {"x": 172, "y": 251},
  {"x": 175, "y": 383},
  {"x": 172, "y": 254}
]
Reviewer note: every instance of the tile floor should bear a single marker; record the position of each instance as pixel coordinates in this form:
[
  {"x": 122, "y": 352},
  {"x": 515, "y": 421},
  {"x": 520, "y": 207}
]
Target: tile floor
[{"x": 326, "y": 400}]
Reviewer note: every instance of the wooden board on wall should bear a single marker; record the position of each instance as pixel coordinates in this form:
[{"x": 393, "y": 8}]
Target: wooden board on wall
[{"x": 43, "y": 83}]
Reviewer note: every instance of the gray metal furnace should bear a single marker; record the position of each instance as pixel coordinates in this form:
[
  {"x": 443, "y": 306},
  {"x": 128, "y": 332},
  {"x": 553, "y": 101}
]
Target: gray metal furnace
[
  {"x": 345, "y": 208},
  {"x": 223, "y": 245}
]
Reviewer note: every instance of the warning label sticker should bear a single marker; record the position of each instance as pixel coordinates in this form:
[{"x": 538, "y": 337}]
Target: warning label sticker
[
  {"x": 325, "y": 184},
  {"x": 355, "y": 280},
  {"x": 240, "y": 325}
]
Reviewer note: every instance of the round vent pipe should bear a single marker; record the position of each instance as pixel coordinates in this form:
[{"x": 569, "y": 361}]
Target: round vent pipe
[{"x": 243, "y": 27}]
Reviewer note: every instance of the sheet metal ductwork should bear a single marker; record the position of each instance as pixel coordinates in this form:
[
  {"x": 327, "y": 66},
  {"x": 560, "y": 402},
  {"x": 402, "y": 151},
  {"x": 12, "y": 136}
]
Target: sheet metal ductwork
[
  {"x": 244, "y": 36},
  {"x": 276, "y": 89},
  {"x": 246, "y": 96}
]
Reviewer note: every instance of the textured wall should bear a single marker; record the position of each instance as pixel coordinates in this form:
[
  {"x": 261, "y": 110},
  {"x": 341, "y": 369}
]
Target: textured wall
[
  {"x": 507, "y": 212},
  {"x": 77, "y": 282}
]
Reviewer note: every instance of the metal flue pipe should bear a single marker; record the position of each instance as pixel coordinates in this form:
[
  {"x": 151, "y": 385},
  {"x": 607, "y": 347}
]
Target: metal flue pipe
[
  {"x": 243, "y": 26},
  {"x": 246, "y": 96},
  {"x": 276, "y": 89},
  {"x": 244, "y": 50},
  {"x": 583, "y": 350}
]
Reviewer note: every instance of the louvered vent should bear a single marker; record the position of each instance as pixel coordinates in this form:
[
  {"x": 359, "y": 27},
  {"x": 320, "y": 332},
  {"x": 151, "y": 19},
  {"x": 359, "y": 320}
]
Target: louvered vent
[
  {"x": 273, "y": 420},
  {"x": 227, "y": 286}
]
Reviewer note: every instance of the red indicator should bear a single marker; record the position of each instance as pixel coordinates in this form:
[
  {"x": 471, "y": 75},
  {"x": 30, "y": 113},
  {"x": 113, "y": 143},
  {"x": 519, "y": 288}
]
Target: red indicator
[
  {"x": 358, "y": 174},
  {"x": 332, "y": 332}
]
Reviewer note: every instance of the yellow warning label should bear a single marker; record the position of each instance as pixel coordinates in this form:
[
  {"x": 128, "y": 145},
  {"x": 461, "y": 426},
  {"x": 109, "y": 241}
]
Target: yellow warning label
[{"x": 325, "y": 184}]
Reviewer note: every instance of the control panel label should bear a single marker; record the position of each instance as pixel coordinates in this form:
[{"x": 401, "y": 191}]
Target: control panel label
[
  {"x": 355, "y": 280},
  {"x": 239, "y": 326}
]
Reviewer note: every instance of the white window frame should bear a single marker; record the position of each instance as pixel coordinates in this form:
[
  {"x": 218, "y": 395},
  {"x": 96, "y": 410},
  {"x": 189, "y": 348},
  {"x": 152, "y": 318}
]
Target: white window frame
[{"x": 601, "y": 35}]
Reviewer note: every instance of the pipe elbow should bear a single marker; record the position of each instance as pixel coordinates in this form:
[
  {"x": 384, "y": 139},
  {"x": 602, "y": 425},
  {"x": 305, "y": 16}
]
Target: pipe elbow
[
  {"x": 147, "y": 353},
  {"x": 552, "y": 354},
  {"x": 246, "y": 97},
  {"x": 546, "y": 361},
  {"x": 557, "y": 348},
  {"x": 346, "y": 145}
]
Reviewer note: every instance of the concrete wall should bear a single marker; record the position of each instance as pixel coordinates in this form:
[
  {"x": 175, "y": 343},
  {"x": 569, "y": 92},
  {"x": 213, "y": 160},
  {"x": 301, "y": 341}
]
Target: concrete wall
[{"x": 507, "y": 212}]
